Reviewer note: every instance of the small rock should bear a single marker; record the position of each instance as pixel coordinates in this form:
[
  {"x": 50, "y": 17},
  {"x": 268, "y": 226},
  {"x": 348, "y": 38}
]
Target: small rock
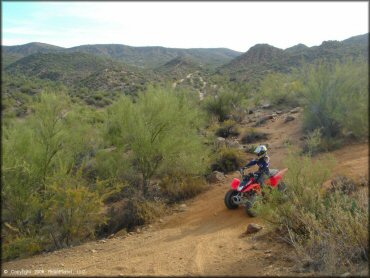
[
  {"x": 220, "y": 142},
  {"x": 253, "y": 228},
  {"x": 263, "y": 120},
  {"x": 62, "y": 265},
  {"x": 216, "y": 176},
  {"x": 161, "y": 220},
  {"x": 233, "y": 144},
  {"x": 150, "y": 226},
  {"x": 279, "y": 112},
  {"x": 121, "y": 233},
  {"x": 266, "y": 106},
  {"x": 111, "y": 236},
  {"x": 346, "y": 274},
  {"x": 267, "y": 252},
  {"x": 295, "y": 110},
  {"x": 289, "y": 118},
  {"x": 183, "y": 207},
  {"x": 93, "y": 251},
  {"x": 103, "y": 241}
]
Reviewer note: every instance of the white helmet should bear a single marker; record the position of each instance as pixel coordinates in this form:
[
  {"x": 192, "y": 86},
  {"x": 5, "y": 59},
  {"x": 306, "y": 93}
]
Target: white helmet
[{"x": 261, "y": 151}]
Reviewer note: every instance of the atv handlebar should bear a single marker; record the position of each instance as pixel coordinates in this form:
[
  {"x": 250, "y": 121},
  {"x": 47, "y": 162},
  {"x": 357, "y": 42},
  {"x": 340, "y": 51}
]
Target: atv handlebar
[{"x": 241, "y": 171}]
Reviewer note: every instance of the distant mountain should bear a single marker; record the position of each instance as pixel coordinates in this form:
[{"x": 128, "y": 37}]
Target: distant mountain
[
  {"x": 116, "y": 66},
  {"x": 262, "y": 59},
  {"x": 297, "y": 48},
  {"x": 144, "y": 57},
  {"x": 115, "y": 79},
  {"x": 155, "y": 56},
  {"x": 76, "y": 69},
  {"x": 361, "y": 39},
  {"x": 11, "y": 54},
  {"x": 260, "y": 54},
  {"x": 31, "y": 48},
  {"x": 179, "y": 67}
]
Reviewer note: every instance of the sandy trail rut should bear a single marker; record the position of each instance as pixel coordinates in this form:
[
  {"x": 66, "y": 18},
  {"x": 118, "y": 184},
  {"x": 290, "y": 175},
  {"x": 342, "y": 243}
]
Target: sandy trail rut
[{"x": 203, "y": 240}]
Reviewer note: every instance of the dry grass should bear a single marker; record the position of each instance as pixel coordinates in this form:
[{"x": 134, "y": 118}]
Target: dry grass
[{"x": 328, "y": 231}]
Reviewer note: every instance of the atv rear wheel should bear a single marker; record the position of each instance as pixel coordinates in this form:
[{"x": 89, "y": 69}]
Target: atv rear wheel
[{"x": 229, "y": 202}]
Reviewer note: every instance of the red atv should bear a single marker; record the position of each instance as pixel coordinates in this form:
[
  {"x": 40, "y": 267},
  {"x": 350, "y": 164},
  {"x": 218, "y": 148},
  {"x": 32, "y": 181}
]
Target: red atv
[{"x": 246, "y": 195}]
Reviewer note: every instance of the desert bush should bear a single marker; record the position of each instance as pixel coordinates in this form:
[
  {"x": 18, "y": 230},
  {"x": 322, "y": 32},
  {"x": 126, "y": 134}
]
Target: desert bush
[
  {"x": 176, "y": 189},
  {"x": 343, "y": 184},
  {"x": 282, "y": 89},
  {"x": 221, "y": 105},
  {"x": 112, "y": 163},
  {"x": 227, "y": 129},
  {"x": 42, "y": 153},
  {"x": 313, "y": 142},
  {"x": 252, "y": 136},
  {"x": 130, "y": 213},
  {"x": 337, "y": 98},
  {"x": 73, "y": 210},
  {"x": 21, "y": 247},
  {"x": 227, "y": 160},
  {"x": 328, "y": 230},
  {"x": 159, "y": 131}
]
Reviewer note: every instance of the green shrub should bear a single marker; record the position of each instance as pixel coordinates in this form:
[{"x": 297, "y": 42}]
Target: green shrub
[
  {"x": 20, "y": 247},
  {"x": 43, "y": 155},
  {"x": 159, "y": 131},
  {"x": 313, "y": 142},
  {"x": 221, "y": 104},
  {"x": 227, "y": 129},
  {"x": 337, "y": 98},
  {"x": 253, "y": 136},
  {"x": 328, "y": 230},
  {"x": 227, "y": 160},
  {"x": 73, "y": 211},
  {"x": 282, "y": 89},
  {"x": 131, "y": 213},
  {"x": 177, "y": 189}
]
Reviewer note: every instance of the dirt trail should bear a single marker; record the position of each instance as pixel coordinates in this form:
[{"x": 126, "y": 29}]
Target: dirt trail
[{"x": 202, "y": 240}]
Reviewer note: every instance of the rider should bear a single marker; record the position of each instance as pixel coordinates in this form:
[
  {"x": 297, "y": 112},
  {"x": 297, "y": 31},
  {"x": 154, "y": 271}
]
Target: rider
[{"x": 263, "y": 162}]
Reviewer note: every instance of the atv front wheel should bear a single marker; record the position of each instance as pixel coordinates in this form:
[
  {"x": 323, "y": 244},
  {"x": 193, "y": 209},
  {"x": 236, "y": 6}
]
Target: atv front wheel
[{"x": 229, "y": 202}]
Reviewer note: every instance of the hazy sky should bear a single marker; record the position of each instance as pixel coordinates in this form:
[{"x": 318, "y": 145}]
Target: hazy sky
[{"x": 234, "y": 25}]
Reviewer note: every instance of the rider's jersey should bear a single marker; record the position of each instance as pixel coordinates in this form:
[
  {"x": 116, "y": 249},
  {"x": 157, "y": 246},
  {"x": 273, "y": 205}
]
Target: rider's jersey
[{"x": 263, "y": 164}]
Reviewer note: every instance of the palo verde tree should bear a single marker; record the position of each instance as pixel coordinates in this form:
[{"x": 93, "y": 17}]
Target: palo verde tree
[
  {"x": 44, "y": 200},
  {"x": 159, "y": 133},
  {"x": 337, "y": 98}
]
